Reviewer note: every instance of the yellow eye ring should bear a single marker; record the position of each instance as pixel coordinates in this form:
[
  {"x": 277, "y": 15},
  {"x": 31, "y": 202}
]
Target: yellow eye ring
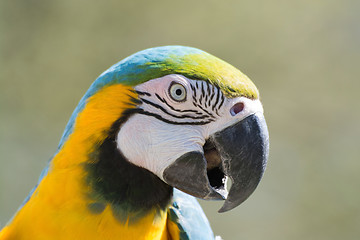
[{"x": 177, "y": 92}]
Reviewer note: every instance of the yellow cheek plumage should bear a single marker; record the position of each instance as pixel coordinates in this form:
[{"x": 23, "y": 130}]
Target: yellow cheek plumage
[{"x": 58, "y": 208}]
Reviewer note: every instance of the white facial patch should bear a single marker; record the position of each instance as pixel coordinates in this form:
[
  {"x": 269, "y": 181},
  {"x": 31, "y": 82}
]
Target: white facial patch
[
  {"x": 152, "y": 144},
  {"x": 169, "y": 125}
]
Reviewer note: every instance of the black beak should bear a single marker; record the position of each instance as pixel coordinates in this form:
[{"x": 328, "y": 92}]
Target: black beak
[
  {"x": 239, "y": 152},
  {"x": 244, "y": 150}
]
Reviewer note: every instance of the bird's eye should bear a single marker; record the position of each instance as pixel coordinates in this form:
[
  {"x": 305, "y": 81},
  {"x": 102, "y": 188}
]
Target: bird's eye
[{"x": 177, "y": 92}]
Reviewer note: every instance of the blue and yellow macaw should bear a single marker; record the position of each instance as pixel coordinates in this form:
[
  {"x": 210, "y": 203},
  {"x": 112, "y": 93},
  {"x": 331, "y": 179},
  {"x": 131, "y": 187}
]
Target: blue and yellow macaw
[{"x": 155, "y": 130}]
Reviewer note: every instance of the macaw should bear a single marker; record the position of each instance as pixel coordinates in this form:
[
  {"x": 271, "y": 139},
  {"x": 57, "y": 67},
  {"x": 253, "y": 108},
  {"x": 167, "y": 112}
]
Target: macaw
[{"x": 155, "y": 130}]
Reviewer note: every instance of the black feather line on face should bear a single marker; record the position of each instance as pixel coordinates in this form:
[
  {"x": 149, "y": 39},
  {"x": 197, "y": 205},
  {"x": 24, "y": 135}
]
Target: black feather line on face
[
  {"x": 194, "y": 91},
  {"x": 200, "y": 99},
  {"x": 217, "y": 98},
  {"x": 194, "y": 99},
  {"x": 202, "y": 96},
  {"x": 202, "y": 88},
  {"x": 212, "y": 94},
  {"x": 174, "y": 109},
  {"x": 141, "y": 111},
  {"x": 199, "y": 106},
  {"x": 170, "y": 114},
  {"x": 207, "y": 96},
  {"x": 222, "y": 101},
  {"x": 142, "y": 93}
]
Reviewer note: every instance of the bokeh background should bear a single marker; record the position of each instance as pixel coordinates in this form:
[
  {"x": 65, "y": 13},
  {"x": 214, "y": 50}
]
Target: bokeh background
[{"x": 303, "y": 55}]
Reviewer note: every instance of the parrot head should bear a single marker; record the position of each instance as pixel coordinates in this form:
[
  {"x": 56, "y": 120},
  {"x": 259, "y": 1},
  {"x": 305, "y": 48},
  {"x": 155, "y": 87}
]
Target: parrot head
[{"x": 193, "y": 121}]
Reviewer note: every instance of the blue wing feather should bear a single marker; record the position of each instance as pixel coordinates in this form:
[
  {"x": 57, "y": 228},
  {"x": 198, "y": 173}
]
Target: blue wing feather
[{"x": 190, "y": 218}]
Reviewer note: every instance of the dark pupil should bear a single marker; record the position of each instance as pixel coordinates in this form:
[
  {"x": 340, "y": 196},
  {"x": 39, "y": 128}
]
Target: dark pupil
[{"x": 178, "y": 92}]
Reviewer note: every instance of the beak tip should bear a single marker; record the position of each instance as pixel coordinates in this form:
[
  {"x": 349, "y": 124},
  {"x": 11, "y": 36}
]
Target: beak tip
[
  {"x": 227, "y": 207},
  {"x": 222, "y": 210}
]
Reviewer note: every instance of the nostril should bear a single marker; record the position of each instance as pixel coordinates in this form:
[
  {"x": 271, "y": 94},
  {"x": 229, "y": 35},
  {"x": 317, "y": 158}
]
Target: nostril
[{"x": 238, "y": 107}]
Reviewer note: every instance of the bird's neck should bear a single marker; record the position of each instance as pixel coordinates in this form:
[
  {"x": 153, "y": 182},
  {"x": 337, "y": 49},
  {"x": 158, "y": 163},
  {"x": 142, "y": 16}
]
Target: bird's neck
[
  {"x": 90, "y": 184},
  {"x": 114, "y": 180}
]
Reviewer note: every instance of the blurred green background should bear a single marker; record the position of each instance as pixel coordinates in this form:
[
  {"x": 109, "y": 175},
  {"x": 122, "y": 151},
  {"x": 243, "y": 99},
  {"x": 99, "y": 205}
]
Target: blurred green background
[{"x": 303, "y": 56}]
